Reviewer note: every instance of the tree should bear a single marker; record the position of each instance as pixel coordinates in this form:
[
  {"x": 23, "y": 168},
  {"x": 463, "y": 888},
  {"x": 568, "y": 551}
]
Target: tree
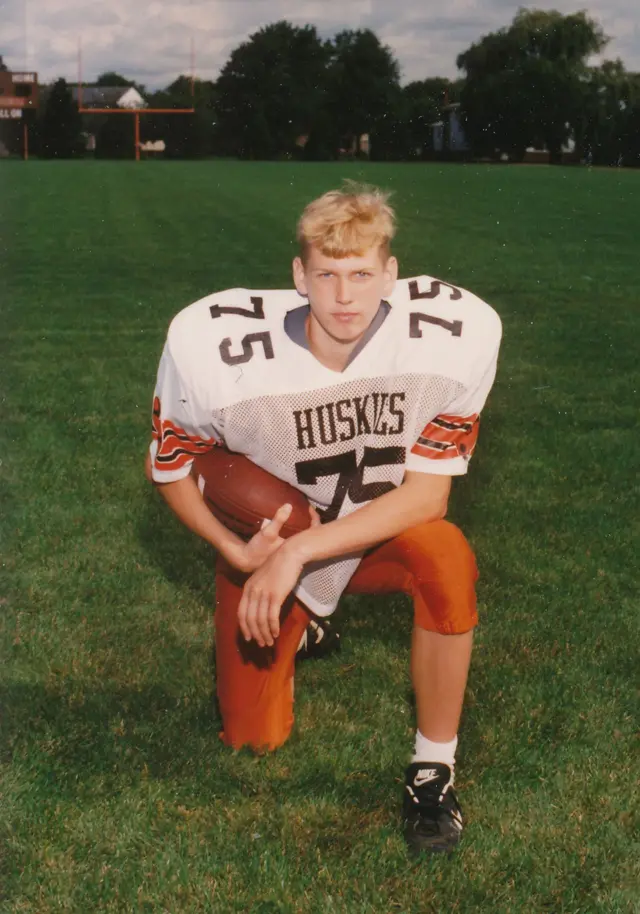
[
  {"x": 114, "y": 136},
  {"x": 408, "y": 133},
  {"x": 524, "y": 84},
  {"x": 270, "y": 90},
  {"x": 60, "y": 125},
  {"x": 426, "y": 100},
  {"x": 111, "y": 78},
  {"x": 632, "y": 119},
  {"x": 608, "y": 128},
  {"x": 185, "y": 136},
  {"x": 363, "y": 86}
]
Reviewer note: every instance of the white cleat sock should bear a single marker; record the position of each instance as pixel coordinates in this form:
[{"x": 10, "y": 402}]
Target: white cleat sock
[{"x": 428, "y": 751}]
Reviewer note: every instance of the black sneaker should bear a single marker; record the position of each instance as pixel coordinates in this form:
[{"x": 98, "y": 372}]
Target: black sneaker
[
  {"x": 430, "y": 810},
  {"x": 319, "y": 640}
]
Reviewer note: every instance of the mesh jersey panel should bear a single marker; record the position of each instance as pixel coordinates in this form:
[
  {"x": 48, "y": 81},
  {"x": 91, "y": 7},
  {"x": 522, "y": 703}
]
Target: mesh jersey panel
[{"x": 342, "y": 446}]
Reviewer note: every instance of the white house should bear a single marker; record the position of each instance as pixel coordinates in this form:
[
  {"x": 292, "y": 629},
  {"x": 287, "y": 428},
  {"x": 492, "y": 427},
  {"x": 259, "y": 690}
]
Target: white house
[
  {"x": 109, "y": 97},
  {"x": 155, "y": 147},
  {"x": 448, "y": 134}
]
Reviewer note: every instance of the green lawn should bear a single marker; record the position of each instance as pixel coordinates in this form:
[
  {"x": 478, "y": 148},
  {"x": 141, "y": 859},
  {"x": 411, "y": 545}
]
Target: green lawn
[{"x": 117, "y": 794}]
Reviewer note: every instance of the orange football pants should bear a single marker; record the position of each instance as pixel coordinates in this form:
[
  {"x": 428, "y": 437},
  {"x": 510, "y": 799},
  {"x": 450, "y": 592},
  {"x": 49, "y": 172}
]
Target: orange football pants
[{"x": 433, "y": 563}]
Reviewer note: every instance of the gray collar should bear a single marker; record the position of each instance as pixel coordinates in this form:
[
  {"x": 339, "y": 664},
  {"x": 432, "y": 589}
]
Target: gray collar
[{"x": 295, "y": 321}]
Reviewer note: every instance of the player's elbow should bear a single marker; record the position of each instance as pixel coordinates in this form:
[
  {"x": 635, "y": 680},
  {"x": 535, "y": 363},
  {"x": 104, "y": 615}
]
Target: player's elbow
[
  {"x": 430, "y": 492},
  {"x": 441, "y": 509},
  {"x": 438, "y": 506},
  {"x": 444, "y": 509}
]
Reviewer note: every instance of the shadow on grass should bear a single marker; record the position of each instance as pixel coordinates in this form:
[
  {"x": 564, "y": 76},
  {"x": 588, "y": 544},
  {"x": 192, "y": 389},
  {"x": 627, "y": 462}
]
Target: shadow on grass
[
  {"x": 66, "y": 747},
  {"x": 179, "y": 555},
  {"x": 465, "y": 503}
]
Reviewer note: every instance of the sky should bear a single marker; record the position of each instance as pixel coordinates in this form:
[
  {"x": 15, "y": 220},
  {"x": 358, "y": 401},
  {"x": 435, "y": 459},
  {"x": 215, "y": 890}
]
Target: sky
[{"x": 149, "y": 40}]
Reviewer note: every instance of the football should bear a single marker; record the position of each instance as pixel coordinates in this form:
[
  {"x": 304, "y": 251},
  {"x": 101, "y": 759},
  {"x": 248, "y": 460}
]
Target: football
[{"x": 241, "y": 495}]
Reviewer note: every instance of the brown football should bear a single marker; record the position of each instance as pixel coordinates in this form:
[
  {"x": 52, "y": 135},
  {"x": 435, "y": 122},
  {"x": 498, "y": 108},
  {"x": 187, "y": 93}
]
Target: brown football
[{"x": 241, "y": 495}]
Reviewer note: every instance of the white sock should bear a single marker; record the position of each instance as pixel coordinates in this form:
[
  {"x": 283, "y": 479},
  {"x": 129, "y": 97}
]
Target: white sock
[{"x": 428, "y": 751}]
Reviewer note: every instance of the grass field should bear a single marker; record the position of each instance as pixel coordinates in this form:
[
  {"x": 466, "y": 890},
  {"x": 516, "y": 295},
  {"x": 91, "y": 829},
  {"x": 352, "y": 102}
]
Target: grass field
[{"x": 117, "y": 795}]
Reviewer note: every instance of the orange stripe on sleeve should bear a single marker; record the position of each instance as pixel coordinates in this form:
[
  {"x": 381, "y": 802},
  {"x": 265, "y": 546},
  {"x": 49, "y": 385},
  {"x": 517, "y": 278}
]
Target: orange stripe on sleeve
[
  {"x": 176, "y": 447},
  {"x": 446, "y": 437}
]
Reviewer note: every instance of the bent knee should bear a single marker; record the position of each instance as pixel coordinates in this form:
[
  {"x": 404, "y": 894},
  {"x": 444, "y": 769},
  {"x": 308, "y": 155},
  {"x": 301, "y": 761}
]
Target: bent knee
[
  {"x": 438, "y": 549},
  {"x": 444, "y": 573}
]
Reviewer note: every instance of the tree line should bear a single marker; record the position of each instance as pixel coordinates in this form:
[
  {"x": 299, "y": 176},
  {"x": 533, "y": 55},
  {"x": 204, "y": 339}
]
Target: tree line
[{"x": 287, "y": 93}]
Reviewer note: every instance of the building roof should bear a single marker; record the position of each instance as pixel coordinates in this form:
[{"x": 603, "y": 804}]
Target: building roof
[{"x": 103, "y": 96}]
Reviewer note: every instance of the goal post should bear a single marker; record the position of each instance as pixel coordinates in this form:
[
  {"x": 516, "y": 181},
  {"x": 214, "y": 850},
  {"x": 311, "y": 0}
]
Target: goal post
[{"x": 136, "y": 112}]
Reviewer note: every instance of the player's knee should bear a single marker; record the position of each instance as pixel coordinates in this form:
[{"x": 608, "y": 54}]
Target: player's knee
[
  {"x": 262, "y": 728},
  {"x": 259, "y": 744},
  {"x": 457, "y": 556},
  {"x": 439, "y": 550},
  {"x": 444, "y": 574}
]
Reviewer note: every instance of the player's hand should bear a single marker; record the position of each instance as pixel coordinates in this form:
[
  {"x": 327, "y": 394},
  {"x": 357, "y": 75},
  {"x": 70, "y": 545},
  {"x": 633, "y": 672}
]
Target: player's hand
[
  {"x": 315, "y": 517},
  {"x": 254, "y": 553},
  {"x": 265, "y": 542},
  {"x": 263, "y": 595}
]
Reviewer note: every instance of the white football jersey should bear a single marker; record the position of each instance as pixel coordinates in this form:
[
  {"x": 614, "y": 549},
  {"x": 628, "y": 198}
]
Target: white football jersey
[{"x": 233, "y": 373}]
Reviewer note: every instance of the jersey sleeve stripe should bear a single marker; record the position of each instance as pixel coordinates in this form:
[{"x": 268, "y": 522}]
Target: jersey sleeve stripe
[
  {"x": 451, "y": 424},
  {"x": 433, "y": 453},
  {"x": 437, "y": 445},
  {"x": 447, "y": 437},
  {"x": 190, "y": 441},
  {"x": 176, "y": 447}
]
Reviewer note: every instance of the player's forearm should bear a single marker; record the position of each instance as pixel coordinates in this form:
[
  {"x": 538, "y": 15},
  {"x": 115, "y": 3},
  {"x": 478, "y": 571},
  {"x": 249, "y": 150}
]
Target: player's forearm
[
  {"x": 185, "y": 501},
  {"x": 375, "y": 522}
]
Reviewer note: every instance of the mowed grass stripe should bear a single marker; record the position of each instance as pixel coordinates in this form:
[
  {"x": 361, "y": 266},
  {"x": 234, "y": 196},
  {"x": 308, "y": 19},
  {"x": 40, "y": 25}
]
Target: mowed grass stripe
[{"x": 118, "y": 794}]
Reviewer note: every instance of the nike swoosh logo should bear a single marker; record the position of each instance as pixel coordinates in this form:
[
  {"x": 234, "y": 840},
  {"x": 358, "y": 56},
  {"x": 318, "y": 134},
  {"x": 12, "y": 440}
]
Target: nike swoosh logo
[{"x": 420, "y": 780}]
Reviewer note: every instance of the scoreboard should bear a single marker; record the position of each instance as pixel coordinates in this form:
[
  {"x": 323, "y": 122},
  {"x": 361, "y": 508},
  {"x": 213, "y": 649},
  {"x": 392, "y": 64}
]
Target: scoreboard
[{"x": 18, "y": 92}]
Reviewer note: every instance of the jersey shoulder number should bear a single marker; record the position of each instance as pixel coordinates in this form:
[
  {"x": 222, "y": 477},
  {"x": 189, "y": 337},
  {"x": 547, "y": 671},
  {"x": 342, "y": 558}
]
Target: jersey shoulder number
[
  {"x": 237, "y": 323},
  {"x": 446, "y": 314}
]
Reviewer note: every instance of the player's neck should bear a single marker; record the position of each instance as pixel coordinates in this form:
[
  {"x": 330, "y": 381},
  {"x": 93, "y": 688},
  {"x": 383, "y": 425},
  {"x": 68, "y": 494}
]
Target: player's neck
[{"x": 330, "y": 352}]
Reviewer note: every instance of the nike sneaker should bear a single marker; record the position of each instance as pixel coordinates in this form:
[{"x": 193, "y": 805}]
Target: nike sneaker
[
  {"x": 432, "y": 817},
  {"x": 318, "y": 640}
]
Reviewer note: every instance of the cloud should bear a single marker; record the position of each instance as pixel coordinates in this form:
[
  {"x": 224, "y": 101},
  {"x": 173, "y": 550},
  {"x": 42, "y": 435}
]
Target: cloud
[{"x": 149, "y": 41}]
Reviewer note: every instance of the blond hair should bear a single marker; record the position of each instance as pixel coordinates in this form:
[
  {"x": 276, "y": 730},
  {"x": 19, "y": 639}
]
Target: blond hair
[{"x": 347, "y": 222}]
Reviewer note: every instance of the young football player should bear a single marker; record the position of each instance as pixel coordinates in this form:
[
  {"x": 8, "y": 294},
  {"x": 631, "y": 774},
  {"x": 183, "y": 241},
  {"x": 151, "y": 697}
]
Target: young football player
[{"x": 364, "y": 392}]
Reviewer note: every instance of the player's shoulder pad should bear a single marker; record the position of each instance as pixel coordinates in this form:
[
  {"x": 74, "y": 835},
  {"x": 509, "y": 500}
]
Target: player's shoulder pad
[
  {"x": 233, "y": 306},
  {"x": 198, "y": 330},
  {"x": 445, "y": 300},
  {"x": 228, "y": 313}
]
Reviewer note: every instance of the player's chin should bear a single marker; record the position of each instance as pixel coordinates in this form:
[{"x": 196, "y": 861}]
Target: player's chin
[{"x": 347, "y": 330}]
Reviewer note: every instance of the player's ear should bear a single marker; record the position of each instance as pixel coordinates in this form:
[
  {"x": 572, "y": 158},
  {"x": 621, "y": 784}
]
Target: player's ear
[
  {"x": 299, "y": 277},
  {"x": 390, "y": 275}
]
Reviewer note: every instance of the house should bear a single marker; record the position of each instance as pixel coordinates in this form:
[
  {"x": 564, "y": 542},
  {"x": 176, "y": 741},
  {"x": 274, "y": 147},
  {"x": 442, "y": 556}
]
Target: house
[
  {"x": 109, "y": 97},
  {"x": 448, "y": 134},
  {"x": 97, "y": 97},
  {"x": 153, "y": 148},
  {"x": 449, "y": 140},
  {"x": 534, "y": 155}
]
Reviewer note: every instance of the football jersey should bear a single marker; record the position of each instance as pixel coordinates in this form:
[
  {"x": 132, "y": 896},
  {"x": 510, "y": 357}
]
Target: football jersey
[{"x": 231, "y": 374}]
